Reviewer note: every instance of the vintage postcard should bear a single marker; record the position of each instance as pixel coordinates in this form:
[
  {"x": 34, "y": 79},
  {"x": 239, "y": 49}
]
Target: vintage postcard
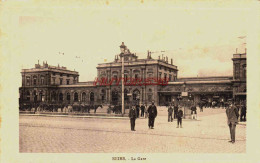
[{"x": 129, "y": 81}]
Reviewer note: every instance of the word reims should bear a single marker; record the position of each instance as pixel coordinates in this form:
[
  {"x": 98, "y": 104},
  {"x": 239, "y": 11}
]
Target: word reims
[{"x": 131, "y": 81}]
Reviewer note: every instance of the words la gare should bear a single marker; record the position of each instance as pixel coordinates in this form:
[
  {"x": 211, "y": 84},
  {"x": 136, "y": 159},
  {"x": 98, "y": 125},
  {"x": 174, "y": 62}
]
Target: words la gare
[{"x": 138, "y": 158}]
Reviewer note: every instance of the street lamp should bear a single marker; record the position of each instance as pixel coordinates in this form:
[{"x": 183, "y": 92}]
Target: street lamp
[{"x": 122, "y": 48}]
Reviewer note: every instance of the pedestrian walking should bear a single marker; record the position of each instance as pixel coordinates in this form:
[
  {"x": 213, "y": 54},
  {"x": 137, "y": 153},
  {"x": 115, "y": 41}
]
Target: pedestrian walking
[
  {"x": 193, "y": 111},
  {"x": 243, "y": 113},
  {"x": 175, "y": 111},
  {"x": 152, "y": 111},
  {"x": 142, "y": 110},
  {"x": 132, "y": 116},
  {"x": 179, "y": 117},
  {"x": 201, "y": 106},
  {"x": 137, "y": 110},
  {"x": 170, "y": 111},
  {"x": 232, "y": 120},
  {"x": 146, "y": 111}
]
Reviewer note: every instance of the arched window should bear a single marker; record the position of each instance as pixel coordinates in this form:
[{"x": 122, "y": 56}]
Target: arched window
[
  {"x": 76, "y": 96},
  {"x": 114, "y": 97},
  {"x": 53, "y": 96},
  {"x": 84, "y": 97},
  {"x": 60, "y": 97},
  {"x": 68, "y": 97},
  {"x": 103, "y": 95},
  {"x": 92, "y": 97}
]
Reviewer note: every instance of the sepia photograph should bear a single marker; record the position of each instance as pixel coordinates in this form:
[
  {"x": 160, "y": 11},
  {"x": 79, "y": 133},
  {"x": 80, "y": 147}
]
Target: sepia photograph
[{"x": 114, "y": 81}]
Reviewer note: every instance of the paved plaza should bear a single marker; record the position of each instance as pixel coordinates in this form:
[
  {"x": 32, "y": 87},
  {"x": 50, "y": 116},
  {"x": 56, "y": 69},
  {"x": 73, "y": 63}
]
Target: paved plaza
[{"x": 209, "y": 134}]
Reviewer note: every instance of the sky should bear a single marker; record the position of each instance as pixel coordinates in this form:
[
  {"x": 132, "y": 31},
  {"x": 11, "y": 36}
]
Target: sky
[{"x": 200, "y": 40}]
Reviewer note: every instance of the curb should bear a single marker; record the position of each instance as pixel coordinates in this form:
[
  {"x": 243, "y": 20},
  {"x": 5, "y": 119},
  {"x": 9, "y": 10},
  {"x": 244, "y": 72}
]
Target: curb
[{"x": 76, "y": 116}]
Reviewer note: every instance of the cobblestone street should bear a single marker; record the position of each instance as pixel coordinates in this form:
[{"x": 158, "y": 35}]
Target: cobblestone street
[{"x": 209, "y": 134}]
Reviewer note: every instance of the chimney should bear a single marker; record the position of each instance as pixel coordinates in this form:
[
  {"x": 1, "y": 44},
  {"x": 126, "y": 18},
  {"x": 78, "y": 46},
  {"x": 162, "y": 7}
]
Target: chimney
[
  {"x": 167, "y": 59},
  {"x": 171, "y": 61},
  {"x": 147, "y": 54},
  {"x": 245, "y": 50}
]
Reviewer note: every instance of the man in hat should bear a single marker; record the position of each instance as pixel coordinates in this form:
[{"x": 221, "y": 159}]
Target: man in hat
[
  {"x": 175, "y": 111},
  {"x": 179, "y": 117},
  {"x": 132, "y": 116},
  {"x": 142, "y": 110},
  {"x": 170, "y": 111},
  {"x": 193, "y": 111},
  {"x": 137, "y": 110},
  {"x": 243, "y": 112},
  {"x": 232, "y": 120},
  {"x": 152, "y": 111}
]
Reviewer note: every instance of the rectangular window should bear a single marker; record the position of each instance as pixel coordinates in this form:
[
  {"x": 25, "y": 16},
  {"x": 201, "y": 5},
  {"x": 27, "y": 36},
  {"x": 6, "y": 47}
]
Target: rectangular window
[
  {"x": 237, "y": 71},
  {"x": 53, "y": 79},
  {"x": 170, "y": 77},
  {"x": 34, "y": 80},
  {"x": 42, "y": 80},
  {"x": 60, "y": 81},
  {"x": 27, "y": 80},
  {"x": 68, "y": 81},
  {"x": 160, "y": 75}
]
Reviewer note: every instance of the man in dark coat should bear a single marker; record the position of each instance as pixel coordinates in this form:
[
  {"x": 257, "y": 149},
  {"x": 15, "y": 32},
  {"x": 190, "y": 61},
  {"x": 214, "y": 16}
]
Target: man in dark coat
[
  {"x": 137, "y": 110},
  {"x": 243, "y": 113},
  {"x": 179, "y": 117},
  {"x": 175, "y": 111},
  {"x": 201, "y": 106},
  {"x": 132, "y": 116},
  {"x": 232, "y": 120},
  {"x": 142, "y": 110},
  {"x": 152, "y": 111},
  {"x": 170, "y": 111}
]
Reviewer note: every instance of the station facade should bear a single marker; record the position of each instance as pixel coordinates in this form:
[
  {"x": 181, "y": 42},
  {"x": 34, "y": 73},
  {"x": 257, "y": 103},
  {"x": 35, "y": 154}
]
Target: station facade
[{"x": 55, "y": 84}]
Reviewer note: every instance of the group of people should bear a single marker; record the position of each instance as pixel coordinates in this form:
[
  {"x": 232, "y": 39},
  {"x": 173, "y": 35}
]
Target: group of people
[
  {"x": 178, "y": 114},
  {"x": 151, "y": 112},
  {"x": 231, "y": 112}
]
